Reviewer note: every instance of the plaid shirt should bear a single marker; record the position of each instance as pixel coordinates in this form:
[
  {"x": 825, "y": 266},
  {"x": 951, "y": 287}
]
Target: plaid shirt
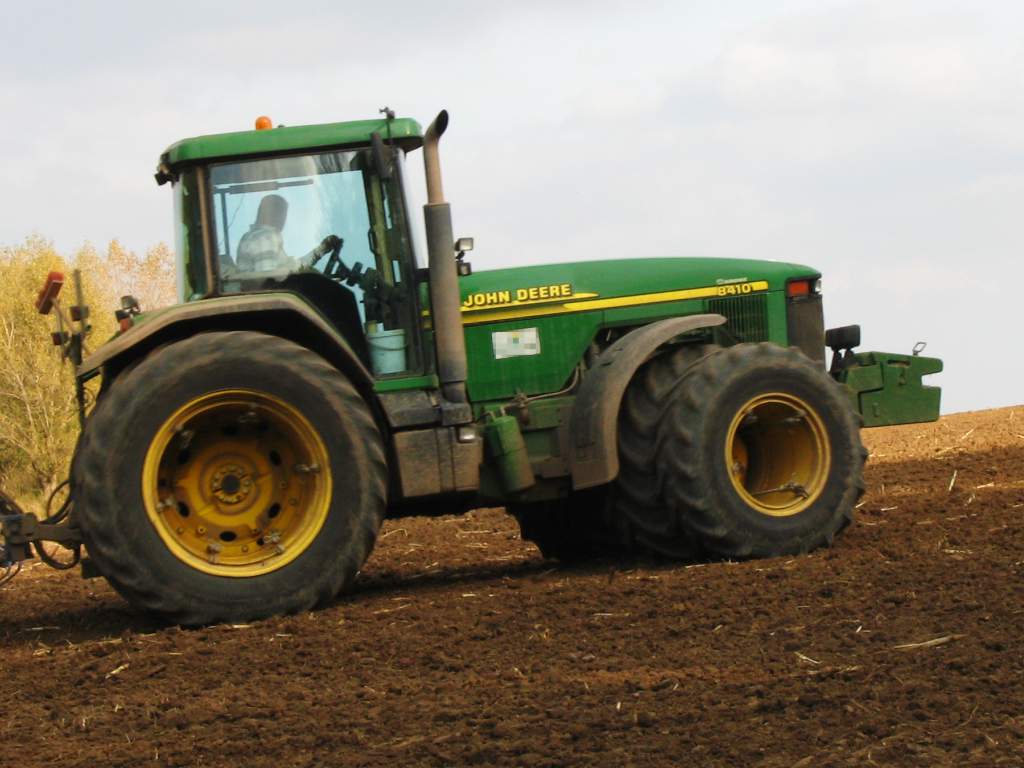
[{"x": 261, "y": 249}]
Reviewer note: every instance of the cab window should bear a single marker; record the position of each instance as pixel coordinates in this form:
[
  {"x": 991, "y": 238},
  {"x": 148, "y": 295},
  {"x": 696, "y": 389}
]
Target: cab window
[{"x": 326, "y": 225}]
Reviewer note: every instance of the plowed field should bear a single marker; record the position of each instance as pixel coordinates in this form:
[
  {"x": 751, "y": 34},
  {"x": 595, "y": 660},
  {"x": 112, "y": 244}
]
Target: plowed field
[{"x": 900, "y": 645}]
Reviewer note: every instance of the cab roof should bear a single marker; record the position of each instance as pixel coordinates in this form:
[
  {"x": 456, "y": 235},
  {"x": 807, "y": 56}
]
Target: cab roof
[{"x": 406, "y": 131}]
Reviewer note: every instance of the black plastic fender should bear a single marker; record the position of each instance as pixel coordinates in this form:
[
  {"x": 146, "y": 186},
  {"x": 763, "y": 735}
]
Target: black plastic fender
[{"x": 595, "y": 416}]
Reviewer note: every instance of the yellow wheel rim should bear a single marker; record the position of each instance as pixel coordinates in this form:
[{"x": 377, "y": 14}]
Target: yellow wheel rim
[
  {"x": 237, "y": 483},
  {"x": 778, "y": 453}
]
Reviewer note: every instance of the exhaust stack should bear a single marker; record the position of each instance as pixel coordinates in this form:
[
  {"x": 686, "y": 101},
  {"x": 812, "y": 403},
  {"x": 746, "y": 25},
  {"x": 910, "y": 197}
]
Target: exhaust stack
[
  {"x": 445, "y": 312},
  {"x": 431, "y": 159}
]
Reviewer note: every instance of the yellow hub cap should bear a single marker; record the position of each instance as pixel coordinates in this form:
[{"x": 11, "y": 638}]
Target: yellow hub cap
[
  {"x": 237, "y": 483},
  {"x": 778, "y": 453}
]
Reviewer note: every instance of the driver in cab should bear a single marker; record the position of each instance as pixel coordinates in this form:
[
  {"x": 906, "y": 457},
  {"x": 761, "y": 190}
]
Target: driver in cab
[{"x": 261, "y": 249}]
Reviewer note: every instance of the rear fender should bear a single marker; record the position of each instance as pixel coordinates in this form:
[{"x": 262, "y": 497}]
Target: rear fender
[
  {"x": 281, "y": 314},
  {"x": 594, "y": 423}
]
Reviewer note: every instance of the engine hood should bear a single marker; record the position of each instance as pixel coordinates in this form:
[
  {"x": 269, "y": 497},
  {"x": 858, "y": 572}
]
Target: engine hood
[{"x": 599, "y": 284}]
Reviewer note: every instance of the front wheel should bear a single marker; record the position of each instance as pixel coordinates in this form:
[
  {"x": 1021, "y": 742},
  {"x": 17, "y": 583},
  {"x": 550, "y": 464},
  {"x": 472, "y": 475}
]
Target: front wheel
[
  {"x": 649, "y": 524},
  {"x": 759, "y": 453},
  {"x": 229, "y": 477}
]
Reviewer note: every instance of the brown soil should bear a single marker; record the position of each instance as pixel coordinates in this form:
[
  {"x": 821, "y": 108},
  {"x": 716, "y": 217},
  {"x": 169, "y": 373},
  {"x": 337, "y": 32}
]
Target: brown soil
[{"x": 901, "y": 645}]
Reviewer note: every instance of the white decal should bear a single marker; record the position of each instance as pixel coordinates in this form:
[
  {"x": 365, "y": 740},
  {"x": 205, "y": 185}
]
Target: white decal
[{"x": 525, "y": 341}]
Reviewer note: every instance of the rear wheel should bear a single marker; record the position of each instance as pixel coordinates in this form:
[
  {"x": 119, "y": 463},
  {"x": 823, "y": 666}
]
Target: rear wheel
[
  {"x": 759, "y": 453},
  {"x": 229, "y": 477}
]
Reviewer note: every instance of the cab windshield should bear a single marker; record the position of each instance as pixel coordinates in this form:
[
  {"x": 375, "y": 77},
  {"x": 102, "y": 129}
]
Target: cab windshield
[{"x": 327, "y": 225}]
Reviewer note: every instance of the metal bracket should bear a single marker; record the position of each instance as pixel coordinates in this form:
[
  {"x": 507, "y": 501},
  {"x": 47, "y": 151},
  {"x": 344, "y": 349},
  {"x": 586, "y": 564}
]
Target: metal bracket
[
  {"x": 455, "y": 414},
  {"x": 19, "y": 532}
]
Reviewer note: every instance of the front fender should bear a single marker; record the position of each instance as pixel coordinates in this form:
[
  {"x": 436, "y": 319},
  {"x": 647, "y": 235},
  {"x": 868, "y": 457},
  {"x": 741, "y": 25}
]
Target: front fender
[{"x": 595, "y": 416}]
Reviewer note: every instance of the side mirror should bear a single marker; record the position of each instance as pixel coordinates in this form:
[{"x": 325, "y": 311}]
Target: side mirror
[{"x": 462, "y": 245}]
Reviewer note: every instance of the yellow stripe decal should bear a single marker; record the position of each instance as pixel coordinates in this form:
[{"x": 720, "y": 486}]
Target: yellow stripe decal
[{"x": 485, "y": 314}]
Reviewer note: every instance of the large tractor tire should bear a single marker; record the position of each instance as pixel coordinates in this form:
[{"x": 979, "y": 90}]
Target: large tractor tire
[
  {"x": 645, "y": 522},
  {"x": 759, "y": 454},
  {"x": 573, "y": 529},
  {"x": 630, "y": 517},
  {"x": 228, "y": 477}
]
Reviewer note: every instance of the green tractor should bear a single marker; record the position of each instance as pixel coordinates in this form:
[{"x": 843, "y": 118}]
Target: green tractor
[{"x": 324, "y": 371}]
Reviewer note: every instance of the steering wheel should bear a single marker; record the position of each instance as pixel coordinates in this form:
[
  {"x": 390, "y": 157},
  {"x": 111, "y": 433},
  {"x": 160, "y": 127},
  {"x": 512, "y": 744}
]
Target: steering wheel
[{"x": 335, "y": 268}]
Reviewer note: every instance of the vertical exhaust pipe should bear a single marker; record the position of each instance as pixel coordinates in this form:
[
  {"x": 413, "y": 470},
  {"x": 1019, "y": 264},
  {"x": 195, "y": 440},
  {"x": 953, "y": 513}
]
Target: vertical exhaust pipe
[
  {"x": 445, "y": 299},
  {"x": 431, "y": 159}
]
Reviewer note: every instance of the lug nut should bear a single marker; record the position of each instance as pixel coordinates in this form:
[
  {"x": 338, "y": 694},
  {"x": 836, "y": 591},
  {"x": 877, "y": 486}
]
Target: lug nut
[
  {"x": 249, "y": 417},
  {"x": 185, "y": 437}
]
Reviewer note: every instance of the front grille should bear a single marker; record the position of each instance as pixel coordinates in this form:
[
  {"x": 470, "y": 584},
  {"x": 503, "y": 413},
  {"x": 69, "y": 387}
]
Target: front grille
[
  {"x": 806, "y": 326},
  {"x": 746, "y": 316}
]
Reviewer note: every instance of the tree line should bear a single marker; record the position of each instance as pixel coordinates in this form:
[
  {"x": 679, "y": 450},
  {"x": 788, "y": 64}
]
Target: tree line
[{"x": 38, "y": 412}]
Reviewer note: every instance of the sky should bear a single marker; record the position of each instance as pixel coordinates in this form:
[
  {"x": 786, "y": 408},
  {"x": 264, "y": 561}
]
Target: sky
[{"x": 879, "y": 142}]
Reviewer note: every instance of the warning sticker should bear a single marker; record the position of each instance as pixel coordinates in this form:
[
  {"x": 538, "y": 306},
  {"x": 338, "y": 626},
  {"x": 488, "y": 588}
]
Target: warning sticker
[{"x": 525, "y": 341}]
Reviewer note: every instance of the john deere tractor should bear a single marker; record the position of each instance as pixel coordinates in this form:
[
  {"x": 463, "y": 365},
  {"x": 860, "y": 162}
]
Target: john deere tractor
[{"x": 323, "y": 371}]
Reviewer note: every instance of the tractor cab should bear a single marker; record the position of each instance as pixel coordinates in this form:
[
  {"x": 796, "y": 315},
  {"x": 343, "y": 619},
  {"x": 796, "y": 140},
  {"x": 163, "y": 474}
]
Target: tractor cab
[{"x": 269, "y": 211}]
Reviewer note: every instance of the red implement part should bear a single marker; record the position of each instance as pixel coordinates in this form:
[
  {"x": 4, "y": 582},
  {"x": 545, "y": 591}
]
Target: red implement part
[{"x": 44, "y": 301}]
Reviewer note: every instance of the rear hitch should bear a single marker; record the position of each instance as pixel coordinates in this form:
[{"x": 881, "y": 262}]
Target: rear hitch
[
  {"x": 8, "y": 554},
  {"x": 21, "y": 532}
]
